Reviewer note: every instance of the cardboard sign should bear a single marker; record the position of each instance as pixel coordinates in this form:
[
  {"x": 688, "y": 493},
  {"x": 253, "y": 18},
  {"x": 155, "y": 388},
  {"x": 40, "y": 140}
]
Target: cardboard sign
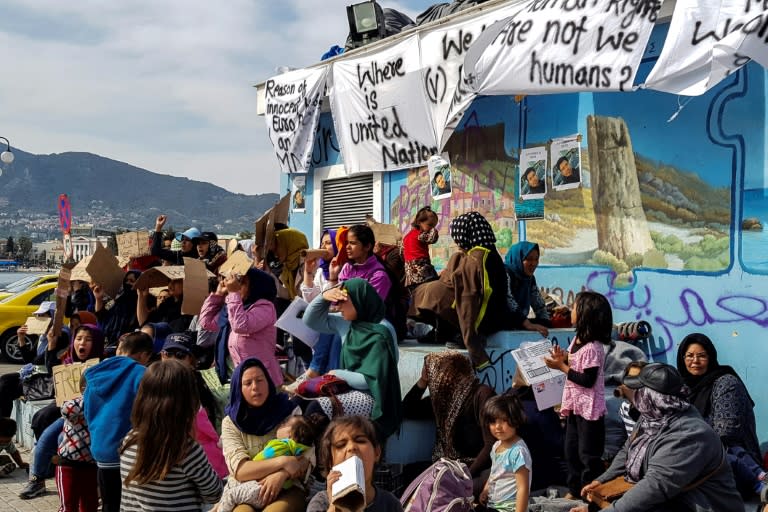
[
  {"x": 159, "y": 276},
  {"x": 79, "y": 272},
  {"x": 282, "y": 209},
  {"x": 237, "y": 263},
  {"x": 37, "y": 325},
  {"x": 133, "y": 244},
  {"x": 387, "y": 234},
  {"x": 348, "y": 492},
  {"x": 260, "y": 233},
  {"x": 104, "y": 270},
  {"x": 66, "y": 380},
  {"x": 195, "y": 286},
  {"x": 291, "y": 322}
]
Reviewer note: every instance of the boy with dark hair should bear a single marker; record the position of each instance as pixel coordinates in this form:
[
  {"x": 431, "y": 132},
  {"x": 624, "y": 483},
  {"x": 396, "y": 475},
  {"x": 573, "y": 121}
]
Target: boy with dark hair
[
  {"x": 11, "y": 458},
  {"x": 108, "y": 399}
]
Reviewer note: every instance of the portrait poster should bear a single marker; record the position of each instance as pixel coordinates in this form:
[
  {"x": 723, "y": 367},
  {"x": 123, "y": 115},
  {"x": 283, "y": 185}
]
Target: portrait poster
[
  {"x": 533, "y": 172},
  {"x": 298, "y": 194},
  {"x": 439, "y": 176},
  {"x": 565, "y": 162}
]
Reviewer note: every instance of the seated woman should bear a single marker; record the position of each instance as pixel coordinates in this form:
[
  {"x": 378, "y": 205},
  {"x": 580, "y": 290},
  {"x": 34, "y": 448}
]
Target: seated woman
[
  {"x": 724, "y": 402},
  {"x": 362, "y": 262},
  {"x": 471, "y": 293},
  {"x": 521, "y": 261},
  {"x": 674, "y": 459},
  {"x": 455, "y": 402},
  {"x": 285, "y": 252},
  {"x": 255, "y": 410},
  {"x": 368, "y": 351}
]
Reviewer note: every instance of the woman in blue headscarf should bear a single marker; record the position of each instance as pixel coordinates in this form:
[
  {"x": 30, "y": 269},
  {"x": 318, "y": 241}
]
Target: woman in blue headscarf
[
  {"x": 521, "y": 261},
  {"x": 254, "y": 412}
]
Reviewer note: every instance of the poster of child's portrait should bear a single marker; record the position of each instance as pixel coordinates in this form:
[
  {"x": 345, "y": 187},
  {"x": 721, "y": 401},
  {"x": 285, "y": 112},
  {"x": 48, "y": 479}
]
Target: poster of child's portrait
[
  {"x": 565, "y": 158},
  {"x": 439, "y": 176},
  {"x": 533, "y": 167},
  {"x": 298, "y": 194}
]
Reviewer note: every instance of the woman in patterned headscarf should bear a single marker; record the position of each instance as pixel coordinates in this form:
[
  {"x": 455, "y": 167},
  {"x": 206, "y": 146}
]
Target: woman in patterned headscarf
[
  {"x": 455, "y": 402},
  {"x": 471, "y": 294}
]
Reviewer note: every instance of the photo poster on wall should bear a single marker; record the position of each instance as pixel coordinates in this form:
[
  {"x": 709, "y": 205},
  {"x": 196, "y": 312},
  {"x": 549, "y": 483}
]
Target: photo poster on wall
[
  {"x": 530, "y": 209},
  {"x": 299, "y": 194},
  {"x": 439, "y": 168},
  {"x": 565, "y": 162},
  {"x": 533, "y": 172}
]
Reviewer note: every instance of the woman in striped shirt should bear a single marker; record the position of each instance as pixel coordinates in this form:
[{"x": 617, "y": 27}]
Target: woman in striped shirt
[{"x": 162, "y": 466}]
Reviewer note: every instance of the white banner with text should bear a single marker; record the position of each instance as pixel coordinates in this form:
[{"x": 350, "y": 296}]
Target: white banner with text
[
  {"x": 707, "y": 41},
  {"x": 551, "y": 47},
  {"x": 380, "y": 110},
  {"x": 293, "y": 104}
]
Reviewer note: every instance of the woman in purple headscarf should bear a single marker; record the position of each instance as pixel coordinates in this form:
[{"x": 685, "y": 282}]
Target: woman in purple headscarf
[
  {"x": 325, "y": 353},
  {"x": 254, "y": 412}
]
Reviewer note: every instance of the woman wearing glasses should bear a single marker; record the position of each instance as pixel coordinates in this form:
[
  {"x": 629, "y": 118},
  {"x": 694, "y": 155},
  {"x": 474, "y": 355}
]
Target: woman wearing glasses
[{"x": 721, "y": 397}]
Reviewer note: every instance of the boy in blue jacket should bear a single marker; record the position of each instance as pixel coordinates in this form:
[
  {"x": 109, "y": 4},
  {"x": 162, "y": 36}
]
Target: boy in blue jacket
[{"x": 108, "y": 400}]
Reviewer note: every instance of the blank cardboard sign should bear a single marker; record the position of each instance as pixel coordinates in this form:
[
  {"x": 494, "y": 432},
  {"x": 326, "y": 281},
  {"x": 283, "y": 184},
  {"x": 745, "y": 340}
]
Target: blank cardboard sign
[
  {"x": 105, "y": 271},
  {"x": 195, "y": 286}
]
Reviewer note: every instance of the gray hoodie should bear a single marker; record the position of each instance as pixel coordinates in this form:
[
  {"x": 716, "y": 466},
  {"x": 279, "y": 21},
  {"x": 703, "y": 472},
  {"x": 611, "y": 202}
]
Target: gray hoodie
[{"x": 685, "y": 451}]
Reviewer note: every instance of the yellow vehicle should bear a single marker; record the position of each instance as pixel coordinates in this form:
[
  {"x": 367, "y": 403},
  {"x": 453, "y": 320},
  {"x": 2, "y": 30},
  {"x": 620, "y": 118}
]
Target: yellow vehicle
[
  {"x": 14, "y": 311},
  {"x": 27, "y": 282}
]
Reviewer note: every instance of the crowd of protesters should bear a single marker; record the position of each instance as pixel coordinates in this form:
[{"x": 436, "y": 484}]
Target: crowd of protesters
[{"x": 148, "y": 432}]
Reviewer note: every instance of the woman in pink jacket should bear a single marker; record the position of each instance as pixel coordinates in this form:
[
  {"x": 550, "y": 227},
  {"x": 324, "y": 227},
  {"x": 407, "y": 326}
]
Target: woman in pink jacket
[{"x": 252, "y": 316}]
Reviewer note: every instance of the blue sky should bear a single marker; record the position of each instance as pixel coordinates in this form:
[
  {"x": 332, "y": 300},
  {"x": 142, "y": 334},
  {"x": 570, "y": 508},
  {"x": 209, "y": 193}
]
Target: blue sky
[{"x": 162, "y": 84}]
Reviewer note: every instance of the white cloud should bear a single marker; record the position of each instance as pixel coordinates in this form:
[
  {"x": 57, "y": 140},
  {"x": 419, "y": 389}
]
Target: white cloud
[{"x": 166, "y": 84}]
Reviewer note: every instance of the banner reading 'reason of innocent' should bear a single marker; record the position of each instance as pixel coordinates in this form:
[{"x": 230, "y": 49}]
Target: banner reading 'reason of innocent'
[{"x": 293, "y": 102}]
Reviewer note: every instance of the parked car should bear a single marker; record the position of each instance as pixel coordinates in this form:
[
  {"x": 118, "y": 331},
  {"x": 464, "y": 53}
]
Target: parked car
[
  {"x": 14, "y": 311},
  {"x": 27, "y": 282}
]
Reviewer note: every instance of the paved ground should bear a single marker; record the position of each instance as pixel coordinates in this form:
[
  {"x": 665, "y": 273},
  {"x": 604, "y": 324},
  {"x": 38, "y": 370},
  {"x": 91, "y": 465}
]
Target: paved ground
[{"x": 11, "y": 486}]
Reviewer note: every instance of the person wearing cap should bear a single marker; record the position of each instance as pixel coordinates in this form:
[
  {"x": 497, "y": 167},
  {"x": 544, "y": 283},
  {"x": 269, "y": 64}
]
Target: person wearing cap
[
  {"x": 183, "y": 347},
  {"x": 10, "y": 383},
  {"x": 188, "y": 239},
  {"x": 209, "y": 250},
  {"x": 674, "y": 458}
]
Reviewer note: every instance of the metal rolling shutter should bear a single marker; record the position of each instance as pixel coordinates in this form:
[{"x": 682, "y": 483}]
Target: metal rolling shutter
[{"x": 346, "y": 201}]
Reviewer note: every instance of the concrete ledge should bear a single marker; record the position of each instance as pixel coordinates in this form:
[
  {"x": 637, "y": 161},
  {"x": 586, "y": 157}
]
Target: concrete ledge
[{"x": 22, "y": 413}]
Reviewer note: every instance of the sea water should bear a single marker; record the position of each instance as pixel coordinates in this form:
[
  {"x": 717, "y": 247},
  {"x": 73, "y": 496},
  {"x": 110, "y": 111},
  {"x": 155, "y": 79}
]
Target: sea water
[
  {"x": 7, "y": 278},
  {"x": 755, "y": 243}
]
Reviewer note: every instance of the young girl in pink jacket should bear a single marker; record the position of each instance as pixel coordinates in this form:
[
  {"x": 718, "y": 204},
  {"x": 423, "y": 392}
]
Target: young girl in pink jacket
[{"x": 252, "y": 317}]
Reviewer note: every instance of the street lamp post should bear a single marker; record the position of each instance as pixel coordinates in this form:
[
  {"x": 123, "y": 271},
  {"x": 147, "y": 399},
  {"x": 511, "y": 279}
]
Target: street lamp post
[{"x": 7, "y": 155}]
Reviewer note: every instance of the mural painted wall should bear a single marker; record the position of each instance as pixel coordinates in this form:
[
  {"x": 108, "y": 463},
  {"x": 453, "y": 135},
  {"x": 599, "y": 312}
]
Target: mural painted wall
[{"x": 668, "y": 219}]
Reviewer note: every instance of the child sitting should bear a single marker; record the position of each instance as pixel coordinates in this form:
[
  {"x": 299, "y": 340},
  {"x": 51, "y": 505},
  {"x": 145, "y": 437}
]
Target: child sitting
[
  {"x": 508, "y": 485},
  {"x": 11, "y": 458},
  {"x": 295, "y": 436}
]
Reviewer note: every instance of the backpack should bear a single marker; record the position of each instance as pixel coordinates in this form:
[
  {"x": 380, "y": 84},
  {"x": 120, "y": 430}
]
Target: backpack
[{"x": 445, "y": 486}]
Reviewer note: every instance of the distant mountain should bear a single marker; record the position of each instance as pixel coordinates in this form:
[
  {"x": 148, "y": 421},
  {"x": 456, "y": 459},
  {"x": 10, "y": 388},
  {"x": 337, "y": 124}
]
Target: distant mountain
[{"x": 115, "y": 195}]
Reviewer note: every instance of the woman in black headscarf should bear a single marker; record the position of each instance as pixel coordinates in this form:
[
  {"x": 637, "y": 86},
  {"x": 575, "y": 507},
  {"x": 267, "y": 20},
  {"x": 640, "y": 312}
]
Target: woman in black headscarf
[
  {"x": 723, "y": 400},
  {"x": 471, "y": 294}
]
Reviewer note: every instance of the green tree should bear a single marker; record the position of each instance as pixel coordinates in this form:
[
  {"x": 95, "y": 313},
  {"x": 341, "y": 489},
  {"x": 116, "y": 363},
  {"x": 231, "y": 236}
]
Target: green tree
[
  {"x": 243, "y": 235},
  {"x": 24, "y": 248},
  {"x": 10, "y": 247}
]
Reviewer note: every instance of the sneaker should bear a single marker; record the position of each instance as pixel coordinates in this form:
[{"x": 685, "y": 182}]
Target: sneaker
[
  {"x": 455, "y": 343},
  {"x": 34, "y": 488},
  {"x": 7, "y": 469}
]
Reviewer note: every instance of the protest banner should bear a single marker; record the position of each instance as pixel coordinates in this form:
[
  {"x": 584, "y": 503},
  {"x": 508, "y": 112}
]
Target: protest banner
[
  {"x": 66, "y": 380},
  {"x": 293, "y": 105},
  {"x": 133, "y": 244}
]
